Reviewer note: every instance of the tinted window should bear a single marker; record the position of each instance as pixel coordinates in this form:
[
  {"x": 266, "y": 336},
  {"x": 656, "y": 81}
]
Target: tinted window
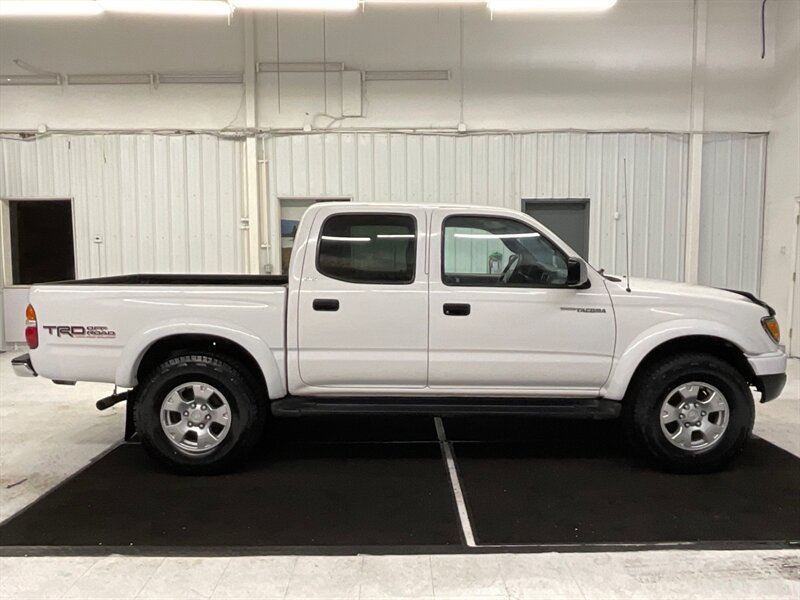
[
  {"x": 490, "y": 251},
  {"x": 369, "y": 248}
]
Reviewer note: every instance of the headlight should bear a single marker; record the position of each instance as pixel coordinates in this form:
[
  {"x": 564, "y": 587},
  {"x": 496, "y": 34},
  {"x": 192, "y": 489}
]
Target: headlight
[{"x": 772, "y": 328}]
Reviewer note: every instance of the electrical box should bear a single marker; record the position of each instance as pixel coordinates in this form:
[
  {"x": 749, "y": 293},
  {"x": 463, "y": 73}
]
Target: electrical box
[{"x": 351, "y": 94}]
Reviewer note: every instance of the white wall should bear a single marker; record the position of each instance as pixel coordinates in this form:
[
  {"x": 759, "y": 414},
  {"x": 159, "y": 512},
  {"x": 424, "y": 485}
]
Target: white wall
[
  {"x": 140, "y": 203},
  {"x": 502, "y": 170},
  {"x": 119, "y": 45},
  {"x": 783, "y": 174},
  {"x": 628, "y": 68},
  {"x": 732, "y": 211}
]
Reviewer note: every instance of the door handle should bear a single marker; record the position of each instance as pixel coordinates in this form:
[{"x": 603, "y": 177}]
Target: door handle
[
  {"x": 457, "y": 310},
  {"x": 325, "y": 305}
]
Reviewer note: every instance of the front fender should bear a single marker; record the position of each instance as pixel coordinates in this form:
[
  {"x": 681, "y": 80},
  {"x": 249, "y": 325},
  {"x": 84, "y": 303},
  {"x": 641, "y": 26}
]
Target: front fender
[
  {"x": 266, "y": 358},
  {"x": 626, "y": 363}
]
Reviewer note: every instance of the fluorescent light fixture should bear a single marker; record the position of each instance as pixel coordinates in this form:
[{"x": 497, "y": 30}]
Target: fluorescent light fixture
[
  {"x": 135, "y": 78},
  {"x": 198, "y": 8},
  {"x": 332, "y": 5},
  {"x": 49, "y": 8},
  {"x": 29, "y": 80},
  {"x": 496, "y": 236},
  {"x": 207, "y": 78},
  {"x": 549, "y": 6},
  {"x": 333, "y": 238},
  {"x": 300, "y": 67},
  {"x": 406, "y": 75},
  {"x": 429, "y": 2}
]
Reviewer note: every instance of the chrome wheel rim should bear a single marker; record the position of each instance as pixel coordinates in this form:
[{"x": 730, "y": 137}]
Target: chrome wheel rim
[
  {"x": 195, "y": 417},
  {"x": 694, "y": 416}
]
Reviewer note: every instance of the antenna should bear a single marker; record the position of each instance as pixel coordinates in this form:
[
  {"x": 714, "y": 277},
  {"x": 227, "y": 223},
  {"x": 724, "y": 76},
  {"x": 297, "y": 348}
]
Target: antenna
[{"x": 627, "y": 228}]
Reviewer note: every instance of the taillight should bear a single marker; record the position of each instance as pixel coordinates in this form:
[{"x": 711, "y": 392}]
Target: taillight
[{"x": 31, "y": 328}]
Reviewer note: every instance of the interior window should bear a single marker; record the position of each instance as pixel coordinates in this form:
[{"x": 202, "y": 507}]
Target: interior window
[
  {"x": 368, "y": 248},
  {"x": 491, "y": 251}
]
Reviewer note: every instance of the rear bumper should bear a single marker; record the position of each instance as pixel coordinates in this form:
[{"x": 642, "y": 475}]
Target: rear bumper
[{"x": 23, "y": 367}]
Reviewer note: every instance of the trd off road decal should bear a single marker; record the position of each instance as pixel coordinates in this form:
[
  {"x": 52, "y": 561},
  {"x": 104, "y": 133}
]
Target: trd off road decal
[
  {"x": 80, "y": 331},
  {"x": 583, "y": 310}
]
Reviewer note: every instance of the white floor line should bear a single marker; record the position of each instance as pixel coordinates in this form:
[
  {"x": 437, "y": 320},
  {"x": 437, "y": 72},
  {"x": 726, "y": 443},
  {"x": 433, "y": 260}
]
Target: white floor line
[{"x": 447, "y": 452}]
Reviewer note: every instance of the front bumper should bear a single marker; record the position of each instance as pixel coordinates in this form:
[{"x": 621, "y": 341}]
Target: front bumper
[
  {"x": 770, "y": 372},
  {"x": 23, "y": 367},
  {"x": 771, "y": 386}
]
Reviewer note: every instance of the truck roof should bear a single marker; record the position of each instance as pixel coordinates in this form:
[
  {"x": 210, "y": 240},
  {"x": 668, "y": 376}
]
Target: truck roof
[{"x": 420, "y": 205}]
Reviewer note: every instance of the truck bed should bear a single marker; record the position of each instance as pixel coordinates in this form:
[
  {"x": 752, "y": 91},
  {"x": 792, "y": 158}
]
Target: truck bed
[
  {"x": 180, "y": 279},
  {"x": 98, "y": 329}
]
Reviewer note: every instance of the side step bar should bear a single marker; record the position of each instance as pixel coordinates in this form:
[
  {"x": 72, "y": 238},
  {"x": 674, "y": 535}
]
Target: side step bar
[{"x": 576, "y": 408}]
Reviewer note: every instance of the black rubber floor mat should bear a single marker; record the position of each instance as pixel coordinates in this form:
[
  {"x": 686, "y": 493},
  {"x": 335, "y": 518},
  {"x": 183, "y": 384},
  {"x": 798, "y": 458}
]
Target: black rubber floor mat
[
  {"x": 351, "y": 428},
  {"x": 567, "y": 437},
  {"x": 563, "y": 490},
  {"x": 351, "y": 495}
]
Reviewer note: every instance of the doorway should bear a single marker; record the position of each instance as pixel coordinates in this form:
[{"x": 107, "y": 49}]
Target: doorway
[
  {"x": 38, "y": 247},
  {"x": 42, "y": 243},
  {"x": 567, "y": 218}
]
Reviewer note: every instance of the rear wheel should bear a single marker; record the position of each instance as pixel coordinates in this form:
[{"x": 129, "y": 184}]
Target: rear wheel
[
  {"x": 692, "y": 413},
  {"x": 199, "y": 414}
]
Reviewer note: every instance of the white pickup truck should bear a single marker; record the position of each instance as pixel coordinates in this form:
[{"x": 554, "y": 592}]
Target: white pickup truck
[{"x": 422, "y": 309}]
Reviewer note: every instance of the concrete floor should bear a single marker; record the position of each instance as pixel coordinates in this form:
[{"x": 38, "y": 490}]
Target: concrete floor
[{"x": 48, "y": 432}]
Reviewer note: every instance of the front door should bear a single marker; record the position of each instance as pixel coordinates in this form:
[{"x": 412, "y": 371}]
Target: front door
[
  {"x": 501, "y": 316},
  {"x": 363, "y": 301}
]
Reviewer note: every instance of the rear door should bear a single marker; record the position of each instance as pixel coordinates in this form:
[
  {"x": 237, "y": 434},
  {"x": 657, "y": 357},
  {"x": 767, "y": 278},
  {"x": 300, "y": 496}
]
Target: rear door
[{"x": 363, "y": 300}]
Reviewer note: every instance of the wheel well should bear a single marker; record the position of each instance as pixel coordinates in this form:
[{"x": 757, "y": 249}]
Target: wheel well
[
  {"x": 706, "y": 344},
  {"x": 176, "y": 345}
]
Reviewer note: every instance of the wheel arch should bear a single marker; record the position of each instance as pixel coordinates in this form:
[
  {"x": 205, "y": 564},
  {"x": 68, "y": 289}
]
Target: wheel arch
[
  {"x": 168, "y": 347},
  {"x": 625, "y": 374},
  {"x": 161, "y": 343}
]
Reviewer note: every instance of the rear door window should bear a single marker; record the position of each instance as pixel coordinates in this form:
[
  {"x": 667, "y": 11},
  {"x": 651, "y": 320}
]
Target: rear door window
[{"x": 368, "y": 248}]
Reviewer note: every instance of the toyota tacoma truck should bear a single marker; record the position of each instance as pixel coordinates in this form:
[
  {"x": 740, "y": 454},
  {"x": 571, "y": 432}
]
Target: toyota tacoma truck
[{"x": 439, "y": 310}]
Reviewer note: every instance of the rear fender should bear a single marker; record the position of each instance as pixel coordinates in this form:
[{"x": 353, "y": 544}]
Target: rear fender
[{"x": 267, "y": 359}]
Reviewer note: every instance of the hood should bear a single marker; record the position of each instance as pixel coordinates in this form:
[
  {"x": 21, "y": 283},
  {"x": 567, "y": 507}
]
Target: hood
[{"x": 674, "y": 292}]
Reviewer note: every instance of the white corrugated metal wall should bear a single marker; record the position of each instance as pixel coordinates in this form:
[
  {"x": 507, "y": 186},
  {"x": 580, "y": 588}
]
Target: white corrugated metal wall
[
  {"x": 173, "y": 203},
  {"x": 732, "y": 210},
  {"x": 502, "y": 170},
  {"x": 141, "y": 203}
]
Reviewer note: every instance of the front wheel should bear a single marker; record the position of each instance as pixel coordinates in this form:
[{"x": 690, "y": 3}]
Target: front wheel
[
  {"x": 690, "y": 414},
  {"x": 199, "y": 414}
]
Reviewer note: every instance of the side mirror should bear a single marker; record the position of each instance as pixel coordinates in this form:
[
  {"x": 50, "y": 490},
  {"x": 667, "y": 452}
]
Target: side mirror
[{"x": 577, "y": 274}]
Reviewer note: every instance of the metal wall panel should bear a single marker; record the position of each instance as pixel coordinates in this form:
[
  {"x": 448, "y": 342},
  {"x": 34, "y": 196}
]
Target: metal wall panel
[
  {"x": 502, "y": 170},
  {"x": 141, "y": 203},
  {"x": 732, "y": 210}
]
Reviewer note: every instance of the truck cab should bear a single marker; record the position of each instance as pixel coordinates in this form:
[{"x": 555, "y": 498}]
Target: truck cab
[{"x": 444, "y": 301}]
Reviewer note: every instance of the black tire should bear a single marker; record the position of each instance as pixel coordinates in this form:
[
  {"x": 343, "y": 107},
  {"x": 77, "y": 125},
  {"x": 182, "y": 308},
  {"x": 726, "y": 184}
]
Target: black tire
[
  {"x": 248, "y": 407},
  {"x": 642, "y": 405}
]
